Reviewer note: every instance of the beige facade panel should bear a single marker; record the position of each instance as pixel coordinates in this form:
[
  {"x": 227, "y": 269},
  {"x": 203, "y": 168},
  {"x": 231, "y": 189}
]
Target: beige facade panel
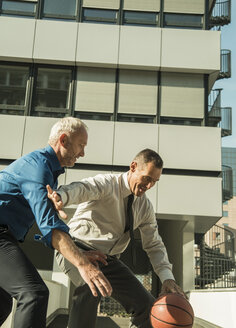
[
  {"x": 190, "y": 51},
  {"x": 55, "y": 42},
  {"x": 189, "y": 195},
  {"x": 131, "y": 138},
  {"x": 73, "y": 175},
  {"x": 16, "y": 38},
  {"x": 182, "y": 95},
  {"x": 37, "y": 130},
  {"x": 140, "y": 47},
  {"x": 97, "y": 45},
  {"x": 106, "y": 4},
  {"x": 185, "y": 6},
  {"x": 142, "y": 5},
  {"x": 137, "y": 92},
  {"x": 190, "y": 147},
  {"x": 100, "y": 143},
  {"x": 11, "y": 134},
  {"x": 95, "y": 89}
]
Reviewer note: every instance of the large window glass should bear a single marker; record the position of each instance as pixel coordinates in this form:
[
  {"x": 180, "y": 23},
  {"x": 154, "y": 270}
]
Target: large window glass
[
  {"x": 52, "y": 90},
  {"x": 60, "y": 8},
  {"x": 99, "y": 15},
  {"x": 140, "y": 18},
  {"x": 13, "y": 83},
  {"x": 22, "y": 8},
  {"x": 183, "y": 21}
]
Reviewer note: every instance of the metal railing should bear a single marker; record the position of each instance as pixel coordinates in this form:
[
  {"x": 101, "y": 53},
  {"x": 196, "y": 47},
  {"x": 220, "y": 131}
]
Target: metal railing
[
  {"x": 225, "y": 64},
  {"x": 221, "y": 13},
  {"x": 227, "y": 182},
  {"x": 226, "y": 121},
  {"x": 214, "y": 259}
]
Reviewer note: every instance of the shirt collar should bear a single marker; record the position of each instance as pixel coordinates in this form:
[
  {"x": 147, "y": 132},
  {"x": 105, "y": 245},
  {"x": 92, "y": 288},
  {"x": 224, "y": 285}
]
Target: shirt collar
[
  {"x": 56, "y": 166},
  {"x": 125, "y": 185}
]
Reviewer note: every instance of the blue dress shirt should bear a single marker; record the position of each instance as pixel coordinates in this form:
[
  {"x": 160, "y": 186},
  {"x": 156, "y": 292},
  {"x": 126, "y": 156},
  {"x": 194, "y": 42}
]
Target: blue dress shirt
[{"x": 23, "y": 194}]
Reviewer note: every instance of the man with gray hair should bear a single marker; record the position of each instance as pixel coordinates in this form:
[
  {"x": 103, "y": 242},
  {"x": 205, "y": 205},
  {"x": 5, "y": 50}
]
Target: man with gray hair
[
  {"x": 23, "y": 200},
  {"x": 110, "y": 207}
]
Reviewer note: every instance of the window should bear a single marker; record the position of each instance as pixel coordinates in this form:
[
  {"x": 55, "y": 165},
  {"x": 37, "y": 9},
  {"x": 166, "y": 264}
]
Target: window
[
  {"x": 183, "y": 21},
  {"x": 140, "y": 18},
  {"x": 13, "y": 82},
  {"x": 136, "y": 118},
  {"x": 225, "y": 213},
  {"x": 180, "y": 121},
  {"x": 99, "y": 15},
  {"x": 52, "y": 91},
  {"x": 23, "y": 8},
  {"x": 60, "y": 8}
]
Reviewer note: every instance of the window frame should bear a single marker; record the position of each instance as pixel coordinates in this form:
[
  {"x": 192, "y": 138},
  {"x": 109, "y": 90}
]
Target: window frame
[
  {"x": 20, "y": 13},
  {"x": 137, "y": 22},
  {"x": 97, "y": 19},
  {"x": 180, "y": 25}
]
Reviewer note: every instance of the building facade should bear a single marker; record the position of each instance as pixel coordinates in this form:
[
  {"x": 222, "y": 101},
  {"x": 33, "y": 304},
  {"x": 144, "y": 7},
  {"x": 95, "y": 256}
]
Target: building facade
[{"x": 139, "y": 73}]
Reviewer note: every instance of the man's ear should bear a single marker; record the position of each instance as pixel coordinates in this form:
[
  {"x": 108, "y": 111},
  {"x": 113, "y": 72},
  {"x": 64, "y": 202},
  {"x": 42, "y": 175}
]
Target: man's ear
[
  {"x": 63, "y": 139},
  {"x": 133, "y": 166}
]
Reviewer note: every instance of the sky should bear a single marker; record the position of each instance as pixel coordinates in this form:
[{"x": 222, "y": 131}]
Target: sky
[{"x": 228, "y": 94}]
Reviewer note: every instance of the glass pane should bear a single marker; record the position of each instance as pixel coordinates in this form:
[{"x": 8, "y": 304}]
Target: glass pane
[
  {"x": 13, "y": 81},
  {"x": 136, "y": 17},
  {"x": 52, "y": 88},
  {"x": 19, "y": 6},
  {"x": 183, "y": 20},
  {"x": 99, "y": 15},
  {"x": 60, "y": 7}
]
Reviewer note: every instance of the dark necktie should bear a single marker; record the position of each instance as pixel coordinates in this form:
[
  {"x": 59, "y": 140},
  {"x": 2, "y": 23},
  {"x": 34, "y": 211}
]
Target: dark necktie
[{"x": 130, "y": 226}]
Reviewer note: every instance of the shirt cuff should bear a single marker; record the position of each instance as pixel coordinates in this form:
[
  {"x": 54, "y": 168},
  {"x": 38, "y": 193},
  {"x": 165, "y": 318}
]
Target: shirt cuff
[
  {"x": 165, "y": 274},
  {"x": 64, "y": 196}
]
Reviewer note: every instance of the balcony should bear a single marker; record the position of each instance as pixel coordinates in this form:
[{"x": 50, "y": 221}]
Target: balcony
[
  {"x": 227, "y": 183},
  {"x": 220, "y": 13},
  {"x": 225, "y": 64},
  {"x": 219, "y": 116}
]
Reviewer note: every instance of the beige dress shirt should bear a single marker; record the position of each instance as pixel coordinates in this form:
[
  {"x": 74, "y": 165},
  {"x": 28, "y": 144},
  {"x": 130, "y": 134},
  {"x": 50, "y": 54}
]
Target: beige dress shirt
[{"x": 99, "y": 220}]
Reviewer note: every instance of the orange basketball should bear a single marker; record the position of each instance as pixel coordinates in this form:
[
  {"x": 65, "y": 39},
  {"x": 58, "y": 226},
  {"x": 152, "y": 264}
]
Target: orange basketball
[{"x": 171, "y": 311}]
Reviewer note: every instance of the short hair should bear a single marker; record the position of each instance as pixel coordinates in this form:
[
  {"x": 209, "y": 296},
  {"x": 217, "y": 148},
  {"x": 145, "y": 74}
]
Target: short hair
[
  {"x": 148, "y": 155},
  {"x": 66, "y": 125}
]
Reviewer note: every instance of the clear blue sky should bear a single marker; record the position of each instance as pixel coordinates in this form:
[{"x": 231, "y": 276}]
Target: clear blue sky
[{"x": 228, "y": 95}]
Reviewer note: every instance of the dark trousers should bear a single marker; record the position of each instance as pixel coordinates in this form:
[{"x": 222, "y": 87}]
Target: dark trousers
[
  {"x": 20, "y": 279},
  {"x": 127, "y": 290}
]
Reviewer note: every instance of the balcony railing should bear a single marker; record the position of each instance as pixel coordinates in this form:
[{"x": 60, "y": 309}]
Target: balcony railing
[
  {"x": 225, "y": 64},
  {"x": 214, "y": 259},
  {"x": 227, "y": 183},
  {"x": 221, "y": 13}
]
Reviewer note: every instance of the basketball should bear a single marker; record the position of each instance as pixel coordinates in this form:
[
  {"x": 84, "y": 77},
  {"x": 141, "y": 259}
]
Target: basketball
[{"x": 171, "y": 311}]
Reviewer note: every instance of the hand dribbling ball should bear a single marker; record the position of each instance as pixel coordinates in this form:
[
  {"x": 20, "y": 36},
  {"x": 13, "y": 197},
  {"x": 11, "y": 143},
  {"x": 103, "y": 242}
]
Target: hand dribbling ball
[{"x": 172, "y": 311}]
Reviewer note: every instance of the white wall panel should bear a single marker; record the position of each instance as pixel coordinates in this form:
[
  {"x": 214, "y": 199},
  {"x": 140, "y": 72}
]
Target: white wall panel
[
  {"x": 185, "y": 6},
  {"x": 16, "y": 38},
  {"x": 139, "y": 47},
  {"x": 100, "y": 143},
  {"x": 107, "y": 4},
  {"x": 11, "y": 136},
  {"x": 73, "y": 175},
  {"x": 131, "y": 138},
  {"x": 97, "y": 44},
  {"x": 190, "y": 147},
  {"x": 37, "y": 131},
  {"x": 142, "y": 5},
  {"x": 95, "y": 89},
  {"x": 190, "y": 50},
  {"x": 137, "y": 92},
  {"x": 182, "y": 95},
  {"x": 189, "y": 195},
  {"x": 55, "y": 41}
]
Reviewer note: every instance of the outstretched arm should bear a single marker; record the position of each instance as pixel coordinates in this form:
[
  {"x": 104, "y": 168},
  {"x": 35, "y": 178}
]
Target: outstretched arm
[{"x": 62, "y": 242}]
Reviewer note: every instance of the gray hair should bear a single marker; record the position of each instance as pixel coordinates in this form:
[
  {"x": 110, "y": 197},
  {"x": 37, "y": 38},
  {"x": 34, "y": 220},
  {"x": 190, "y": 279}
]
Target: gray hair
[
  {"x": 148, "y": 155},
  {"x": 66, "y": 125}
]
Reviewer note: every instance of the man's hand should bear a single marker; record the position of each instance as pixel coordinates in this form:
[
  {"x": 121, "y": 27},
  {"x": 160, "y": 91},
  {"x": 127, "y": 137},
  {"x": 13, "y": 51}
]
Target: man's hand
[
  {"x": 170, "y": 286},
  {"x": 57, "y": 202},
  {"x": 96, "y": 256}
]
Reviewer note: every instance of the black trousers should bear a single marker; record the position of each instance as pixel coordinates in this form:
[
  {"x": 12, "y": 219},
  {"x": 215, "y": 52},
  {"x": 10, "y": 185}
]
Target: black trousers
[
  {"x": 127, "y": 290},
  {"x": 20, "y": 279}
]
